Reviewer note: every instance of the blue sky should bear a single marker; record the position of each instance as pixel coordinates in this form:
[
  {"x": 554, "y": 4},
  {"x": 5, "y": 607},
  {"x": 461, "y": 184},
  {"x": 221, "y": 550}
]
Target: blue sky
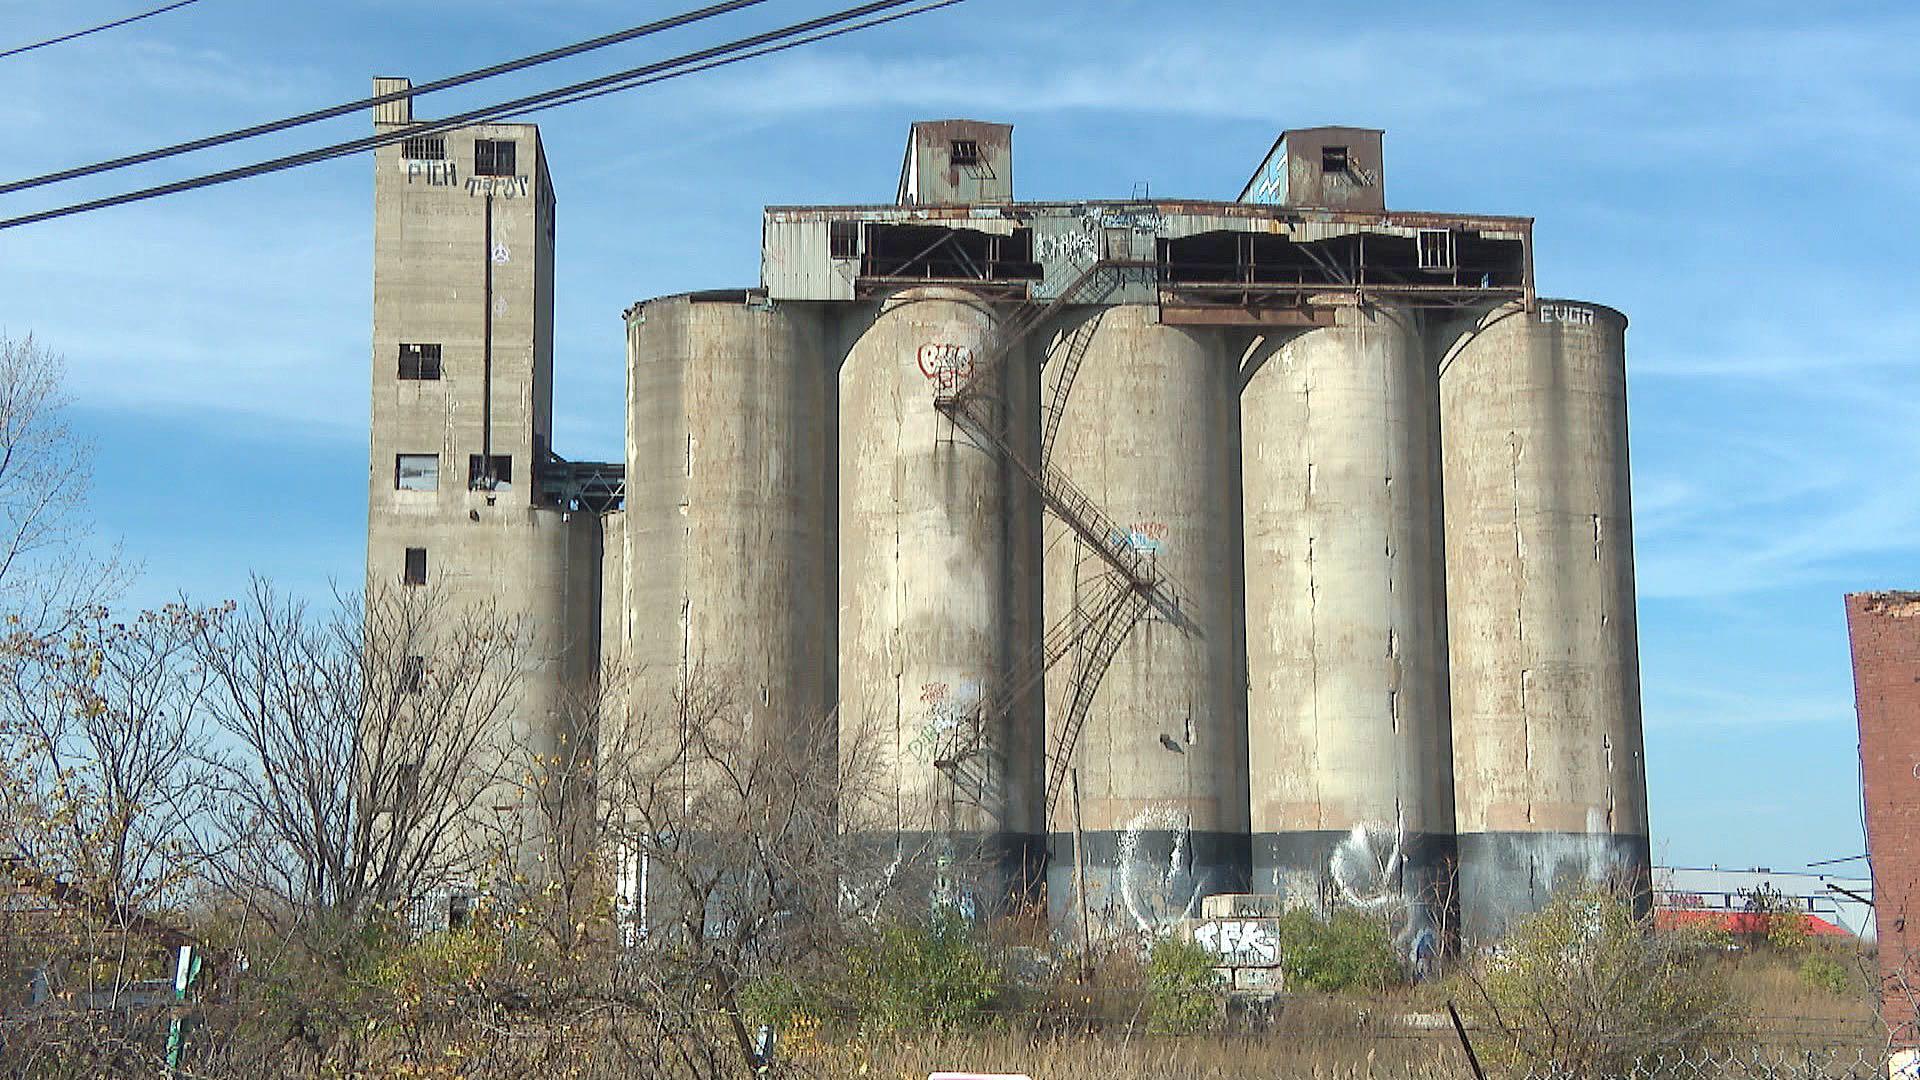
[{"x": 1738, "y": 177}]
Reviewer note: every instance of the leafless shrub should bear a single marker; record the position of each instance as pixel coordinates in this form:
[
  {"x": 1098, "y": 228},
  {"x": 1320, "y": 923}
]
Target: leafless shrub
[{"x": 367, "y": 741}]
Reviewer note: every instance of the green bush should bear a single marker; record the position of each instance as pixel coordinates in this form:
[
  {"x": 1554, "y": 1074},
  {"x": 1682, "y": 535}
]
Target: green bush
[
  {"x": 1826, "y": 973},
  {"x": 1183, "y": 994},
  {"x": 1584, "y": 987},
  {"x": 918, "y": 975},
  {"x": 1349, "y": 951}
]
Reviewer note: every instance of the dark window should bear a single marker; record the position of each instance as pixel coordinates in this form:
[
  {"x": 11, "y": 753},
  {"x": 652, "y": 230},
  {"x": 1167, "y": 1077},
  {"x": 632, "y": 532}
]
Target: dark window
[
  {"x": 459, "y": 912},
  {"x": 424, "y": 148},
  {"x": 493, "y": 157},
  {"x": 843, "y": 239},
  {"x": 420, "y": 361},
  {"x": 1333, "y": 159},
  {"x": 964, "y": 152},
  {"x": 416, "y": 472},
  {"x": 416, "y": 572},
  {"x": 413, "y": 674},
  {"x": 489, "y": 473}
]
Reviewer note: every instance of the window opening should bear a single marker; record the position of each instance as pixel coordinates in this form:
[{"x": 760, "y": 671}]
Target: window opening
[
  {"x": 1333, "y": 159},
  {"x": 843, "y": 239},
  {"x": 416, "y": 572},
  {"x": 1436, "y": 249},
  {"x": 964, "y": 152},
  {"x": 424, "y": 148},
  {"x": 416, "y": 472},
  {"x": 489, "y": 473},
  {"x": 493, "y": 157},
  {"x": 413, "y": 674},
  {"x": 420, "y": 362}
]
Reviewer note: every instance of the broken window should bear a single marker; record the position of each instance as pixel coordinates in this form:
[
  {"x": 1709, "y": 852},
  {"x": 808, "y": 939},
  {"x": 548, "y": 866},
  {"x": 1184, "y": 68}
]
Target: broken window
[
  {"x": 964, "y": 152},
  {"x": 493, "y": 157},
  {"x": 424, "y": 148},
  {"x": 1333, "y": 159},
  {"x": 420, "y": 361},
  {"x": 843, "y": 239},
  {"x": 1436, "y": 249},
  {"x": 486, "y": 473},
  {"x": 413, "y": 674},
  {"x": 416, "y": 571},
  {"x": 416, "y": 472}
]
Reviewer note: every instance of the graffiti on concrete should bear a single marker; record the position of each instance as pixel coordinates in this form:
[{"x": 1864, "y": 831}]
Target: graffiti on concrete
[
  {"x": 948, "y": 710},
  {"x": 1240, "y": 942},
  {"x": 945, "y": 364},
  {"x": 434, "y": 173},
  {"x": 1157, "y": 893},
  {"x": 1571, "y": 314},
  {"x": 506, "y": 187},
  {"x": 1365, "y": 868},
  {"x": 1147, "y": 537}
]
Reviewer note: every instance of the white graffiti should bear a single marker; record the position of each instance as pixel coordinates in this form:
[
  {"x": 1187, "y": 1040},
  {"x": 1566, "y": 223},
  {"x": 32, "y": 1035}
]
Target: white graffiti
[
  {"x": 1240, "y": 942},
  {"x": 1066, "y": 246},
  {"x": 1365, "y": 867},
  {"x": 1137, "y": 220},
  {"x": 1152, "y": 893},
  {"x": 1571, "y": 314}
]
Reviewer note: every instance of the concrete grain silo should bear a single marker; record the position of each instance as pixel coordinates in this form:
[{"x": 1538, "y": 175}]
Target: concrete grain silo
[
  {"x": 728, "y": 550},
  {"x": 1545, "y": 676},
  {"x": 1352, "y": 798},
  {"x": 1149, "y": 432},
  {"x": 1350, "y": 504},
  {"x": 934, "y": 564}
]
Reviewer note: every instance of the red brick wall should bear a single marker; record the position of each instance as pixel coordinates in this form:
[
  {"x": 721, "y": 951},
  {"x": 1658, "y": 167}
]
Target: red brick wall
[{"x": 1885, "y": 630}]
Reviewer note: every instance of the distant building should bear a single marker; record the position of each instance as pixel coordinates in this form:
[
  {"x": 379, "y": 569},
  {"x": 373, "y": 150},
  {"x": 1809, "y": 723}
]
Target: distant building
[
  {"x": 1691, "y": 895},
  {"x": 1885, "y": 630}
]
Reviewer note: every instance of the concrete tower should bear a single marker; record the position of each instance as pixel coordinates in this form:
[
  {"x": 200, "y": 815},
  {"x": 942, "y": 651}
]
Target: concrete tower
[{"x": 462, "y": 409}]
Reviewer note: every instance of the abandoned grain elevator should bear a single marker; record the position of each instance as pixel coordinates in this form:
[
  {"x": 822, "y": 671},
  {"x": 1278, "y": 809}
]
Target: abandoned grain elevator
[{"x": 1280, "y": 544}]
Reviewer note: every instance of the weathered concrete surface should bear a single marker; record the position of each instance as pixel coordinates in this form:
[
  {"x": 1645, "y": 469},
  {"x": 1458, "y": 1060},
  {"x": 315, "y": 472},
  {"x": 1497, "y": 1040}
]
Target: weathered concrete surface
[
  {"x": 432, "y": 255},
  {"x": 1352, "y": 800},
  {"x": 1550, "y": 779},
  {"x": 730, "y": 561},
  {"x": 935, "y": 578},
  {"x": 1150, "y": 434}
]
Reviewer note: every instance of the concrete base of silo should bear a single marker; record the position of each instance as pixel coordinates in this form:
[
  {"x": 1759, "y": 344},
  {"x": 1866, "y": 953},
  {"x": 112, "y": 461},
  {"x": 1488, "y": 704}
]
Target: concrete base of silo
[
  {"x": 977, "y": 874},
  {"x": 1145, "y": 878},
  {"x": 1405, "y": 879},
  {"x": 1506, "y": 876}
]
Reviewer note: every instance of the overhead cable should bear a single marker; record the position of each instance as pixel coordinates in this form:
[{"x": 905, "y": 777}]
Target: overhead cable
[
  {"x": 930, "y": 5},
  {"x": 17, "y": 50},
  {"x": 332, "y": 111},
  {"x": 692, "y": 62}
]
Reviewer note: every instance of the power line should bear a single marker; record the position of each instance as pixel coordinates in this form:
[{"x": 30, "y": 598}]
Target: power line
[
  {"x": 929, "y": 5},
  {"x": 95, "y": 29},
  {"x": 333, "y": 111},
  {"x": 655, "y": 72}
]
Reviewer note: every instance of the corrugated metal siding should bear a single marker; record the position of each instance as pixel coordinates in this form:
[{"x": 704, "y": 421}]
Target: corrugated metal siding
[{"x": 1068, "y": 237}]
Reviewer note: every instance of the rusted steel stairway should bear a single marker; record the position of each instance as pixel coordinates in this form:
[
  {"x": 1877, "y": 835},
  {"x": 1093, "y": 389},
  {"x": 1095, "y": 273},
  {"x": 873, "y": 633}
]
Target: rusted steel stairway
[{"x": 1134, "y": 584}]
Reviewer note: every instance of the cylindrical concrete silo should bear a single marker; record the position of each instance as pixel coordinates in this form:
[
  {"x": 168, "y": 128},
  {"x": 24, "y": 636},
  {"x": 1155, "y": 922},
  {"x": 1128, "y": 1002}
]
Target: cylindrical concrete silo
[
  {"x": 935, "y": 567},
  {"x": 1550, "y": 781},
  {"x": 1352, "y": 799},
  {"x": 1149, "y": 434},
  {"x": 729, "y": 562}
]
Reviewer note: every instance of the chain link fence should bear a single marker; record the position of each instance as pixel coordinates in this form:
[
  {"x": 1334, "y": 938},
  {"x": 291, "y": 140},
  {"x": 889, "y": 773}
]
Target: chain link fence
[{"x": 1750, "y": 1063}]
